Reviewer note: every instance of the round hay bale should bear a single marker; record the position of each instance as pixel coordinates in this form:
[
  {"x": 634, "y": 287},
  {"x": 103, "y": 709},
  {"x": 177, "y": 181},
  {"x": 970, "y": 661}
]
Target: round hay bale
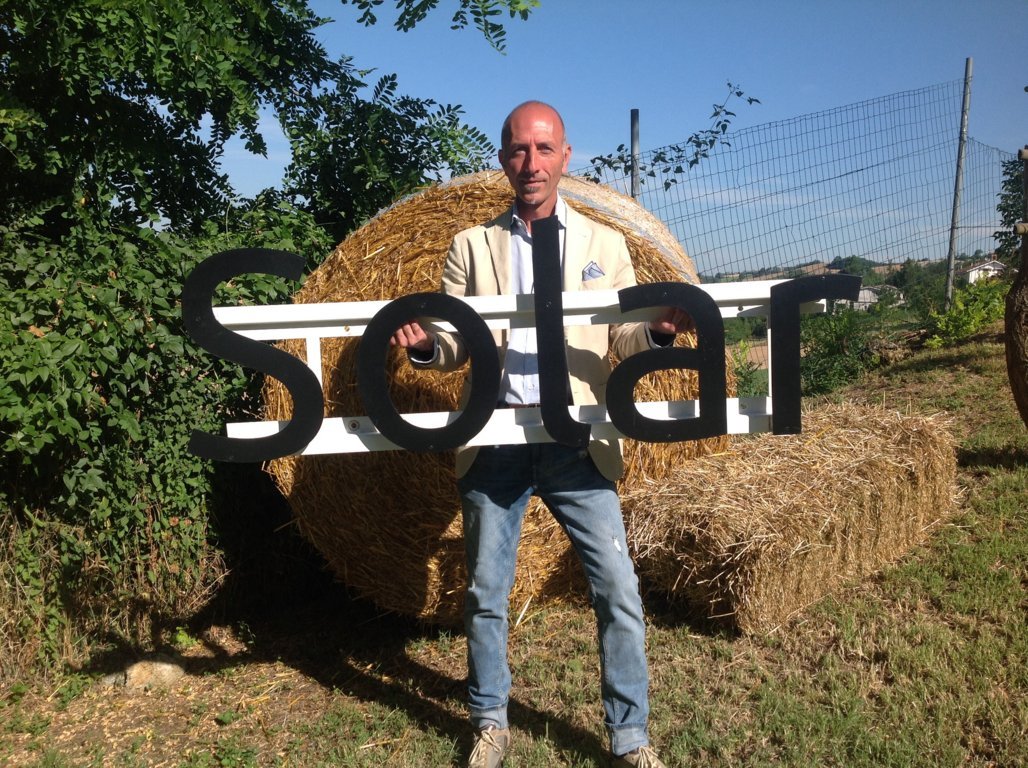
[{"x": 388, "y": 523}]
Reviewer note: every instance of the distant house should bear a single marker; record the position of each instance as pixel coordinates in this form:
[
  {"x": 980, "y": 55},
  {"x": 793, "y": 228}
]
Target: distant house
[
  {"x": 871, "y": 294},
  {"x": 984, "y": 270}
]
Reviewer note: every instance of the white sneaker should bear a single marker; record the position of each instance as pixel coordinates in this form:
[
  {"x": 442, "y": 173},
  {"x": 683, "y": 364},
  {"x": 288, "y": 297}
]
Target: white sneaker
[
  {"x": 644, "y": 757},
  {"x": 491, "y": 744}
]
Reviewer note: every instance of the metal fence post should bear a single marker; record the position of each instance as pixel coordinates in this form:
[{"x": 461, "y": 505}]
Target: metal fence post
[
  {"x": 958, "y": 184},
  {"x": 635, "y": 153}
]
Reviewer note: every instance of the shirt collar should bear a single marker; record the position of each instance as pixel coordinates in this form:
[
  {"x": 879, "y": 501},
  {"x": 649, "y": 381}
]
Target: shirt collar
[{"x": 561, "y": 210}]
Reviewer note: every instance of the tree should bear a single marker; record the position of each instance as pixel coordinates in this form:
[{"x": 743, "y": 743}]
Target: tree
[
  {"x": 1011, "y": 209},
  {"x": 1016, "y": 315},
  {"x": 111, "y": 115},
  {"x": 354, "y": 156},
  {"x": 923, "y": 285},
  {"x": 120, "y": 111},
  {"x": 483, "y": 14},
  {"x": 857, "y": 265},
  {"x": 103, "y": 104}
]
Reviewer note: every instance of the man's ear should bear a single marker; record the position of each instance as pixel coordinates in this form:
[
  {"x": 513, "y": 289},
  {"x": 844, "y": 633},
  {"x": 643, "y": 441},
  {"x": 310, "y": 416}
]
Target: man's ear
[{"x": 567, "y": 158}]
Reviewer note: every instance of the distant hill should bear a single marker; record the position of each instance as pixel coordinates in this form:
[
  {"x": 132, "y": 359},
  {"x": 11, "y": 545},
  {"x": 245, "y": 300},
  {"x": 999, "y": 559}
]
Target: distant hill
[{"x": 873, "y": 272}]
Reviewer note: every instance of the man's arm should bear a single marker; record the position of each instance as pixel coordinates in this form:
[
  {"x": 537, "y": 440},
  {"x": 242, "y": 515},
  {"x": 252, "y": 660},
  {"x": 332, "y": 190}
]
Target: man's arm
[
  {"x": 440, "y": 351},
  {"x": 629, "y": 338}
]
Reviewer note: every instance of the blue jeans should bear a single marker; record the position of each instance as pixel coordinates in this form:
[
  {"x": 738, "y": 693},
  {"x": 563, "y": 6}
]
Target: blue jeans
[{"x": 494, "y": 494}]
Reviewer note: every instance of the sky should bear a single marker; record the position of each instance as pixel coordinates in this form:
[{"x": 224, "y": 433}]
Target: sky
[{"x": 595, "y": 60}]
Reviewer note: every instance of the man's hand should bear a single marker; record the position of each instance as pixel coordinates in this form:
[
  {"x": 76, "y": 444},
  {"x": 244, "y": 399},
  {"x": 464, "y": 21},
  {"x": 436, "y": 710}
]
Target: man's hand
[
  {"x": 413, "y": 336},
  {"x": 672, "y": 321}
]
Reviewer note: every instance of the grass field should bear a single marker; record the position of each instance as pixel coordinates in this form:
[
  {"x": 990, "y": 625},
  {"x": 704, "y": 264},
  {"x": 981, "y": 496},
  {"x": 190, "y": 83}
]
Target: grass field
[{"x": 924, "y": 665}]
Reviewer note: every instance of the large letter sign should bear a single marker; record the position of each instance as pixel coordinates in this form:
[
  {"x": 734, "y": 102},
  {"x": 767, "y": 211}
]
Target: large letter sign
[
  {"x": 374, "y": 389},
  {"x": 785, "y": 340},
  {"x": 554, "y": 385},
  {"x": 708, "y": 359},
  {"x": 622, "y": 415},
  {"x": 198, "y": 320}
]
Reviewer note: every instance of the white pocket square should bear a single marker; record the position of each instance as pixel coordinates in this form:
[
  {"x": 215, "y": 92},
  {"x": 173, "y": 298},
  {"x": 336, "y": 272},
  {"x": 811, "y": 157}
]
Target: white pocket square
[{"x": 592, "y": 271}]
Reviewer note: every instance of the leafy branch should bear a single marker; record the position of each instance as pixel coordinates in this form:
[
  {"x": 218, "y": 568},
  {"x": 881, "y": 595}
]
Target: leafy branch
[
  {"x": 674, "y": 159},
  {"x": 483, "y": 15},
  {"x": 1011, "y": 209}
]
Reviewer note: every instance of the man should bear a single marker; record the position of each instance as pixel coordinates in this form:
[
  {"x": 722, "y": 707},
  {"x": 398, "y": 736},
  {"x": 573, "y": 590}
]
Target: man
[{"x": 577, "y": 486}]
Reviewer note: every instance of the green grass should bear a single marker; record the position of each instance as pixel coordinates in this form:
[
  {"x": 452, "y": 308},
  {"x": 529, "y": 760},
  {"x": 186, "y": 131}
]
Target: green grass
[
  {"x": 923, "y": 665},
  {"x": 356, "y": 736}
]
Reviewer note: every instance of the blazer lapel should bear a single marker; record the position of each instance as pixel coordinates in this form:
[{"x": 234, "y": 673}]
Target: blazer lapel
[
  {"x": 576, "y": 249},
  {"x": 497, "y": 237}
]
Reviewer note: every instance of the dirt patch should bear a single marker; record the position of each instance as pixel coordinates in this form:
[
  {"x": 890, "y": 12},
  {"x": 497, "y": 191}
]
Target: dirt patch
[{"x": 248, "y": 696}]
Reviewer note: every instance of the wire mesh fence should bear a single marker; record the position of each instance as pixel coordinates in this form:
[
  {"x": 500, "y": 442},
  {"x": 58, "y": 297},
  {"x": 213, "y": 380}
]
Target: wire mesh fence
[{"x": 873, "y": 179}]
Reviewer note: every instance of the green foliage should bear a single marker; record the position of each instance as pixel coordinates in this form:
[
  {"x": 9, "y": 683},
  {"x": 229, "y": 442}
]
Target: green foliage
[
  {"x": 354, "y": 156},
  {"x": 114, "y": 116},
  {"x": 269, "y": 220},
  {"x": 24, "y": 581},
  {"x": 1011, "y": 210},
  {"x": 923, "y": 285},
  {"x": 674, "y": 160},
  {"x": 483, "y": 14},
  {"x": 103, "y": 105},
  {"x": 974, "y": 307},
  {"x": 182, "y": 640},
  {"x": 72, "y": 686},
  {"x": 857, "y": 265},
  {"x": 743, "y": 328},
  {"x": 227, "y": 717},
  {"x": 226, "y": 753},
  {"x": 838, "y": 347},
  {"x": 751, "y": 380},
  {"x": 119, "y": 113},
  {"x": 109, "y": 510}
]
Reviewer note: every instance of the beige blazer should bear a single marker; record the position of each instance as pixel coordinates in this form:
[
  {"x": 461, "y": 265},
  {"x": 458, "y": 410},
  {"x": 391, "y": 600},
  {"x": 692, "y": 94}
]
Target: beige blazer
[{"x": 479, "y": 264}]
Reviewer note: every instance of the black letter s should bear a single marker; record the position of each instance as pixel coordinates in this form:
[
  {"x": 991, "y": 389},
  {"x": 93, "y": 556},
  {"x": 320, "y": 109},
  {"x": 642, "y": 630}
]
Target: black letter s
[{"x": 199, "y": 322}]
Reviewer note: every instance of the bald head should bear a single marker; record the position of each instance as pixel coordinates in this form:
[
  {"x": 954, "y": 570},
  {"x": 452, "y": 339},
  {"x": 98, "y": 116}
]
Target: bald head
[
  {"x": 534, "y": 154},
  {"x": 540, "y": 107}
]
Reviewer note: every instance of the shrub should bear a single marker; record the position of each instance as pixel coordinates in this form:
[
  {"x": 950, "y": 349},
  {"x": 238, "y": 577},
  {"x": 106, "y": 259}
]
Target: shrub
[
  {"x": 751, "y": 380},
  {"x": 837, "y": 348},
  {"x": 104, "y": 511},
  {"x": 974, "y": 307}
]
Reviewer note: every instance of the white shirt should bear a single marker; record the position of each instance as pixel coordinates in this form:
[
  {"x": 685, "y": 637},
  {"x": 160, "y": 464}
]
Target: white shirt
[{"x": 520, "y": 382}]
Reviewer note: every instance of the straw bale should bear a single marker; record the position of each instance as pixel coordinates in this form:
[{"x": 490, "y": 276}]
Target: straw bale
[
  {"x": 754, "y": 535},
  {"x": 388, "y": 523}
]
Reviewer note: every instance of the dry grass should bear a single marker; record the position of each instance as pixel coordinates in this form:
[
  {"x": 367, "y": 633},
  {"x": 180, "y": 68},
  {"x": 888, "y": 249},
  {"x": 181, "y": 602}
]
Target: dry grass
[
  {"x": 167, "y": 727},
  {"x": 758, "y": 533}
]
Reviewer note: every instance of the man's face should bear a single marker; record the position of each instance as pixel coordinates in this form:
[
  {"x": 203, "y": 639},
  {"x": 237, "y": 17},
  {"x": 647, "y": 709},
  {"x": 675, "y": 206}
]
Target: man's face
[{"x": 534, "y": 159}]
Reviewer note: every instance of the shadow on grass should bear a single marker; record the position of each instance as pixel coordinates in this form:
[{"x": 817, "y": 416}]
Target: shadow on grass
[
  {"x": 962, "y": 356},
  {"x": 295, "y": 613},
  {"x": 1002, "y": 456},
  {"x": 348, "y": 645},
  {"x": 666, "y": 613}
]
